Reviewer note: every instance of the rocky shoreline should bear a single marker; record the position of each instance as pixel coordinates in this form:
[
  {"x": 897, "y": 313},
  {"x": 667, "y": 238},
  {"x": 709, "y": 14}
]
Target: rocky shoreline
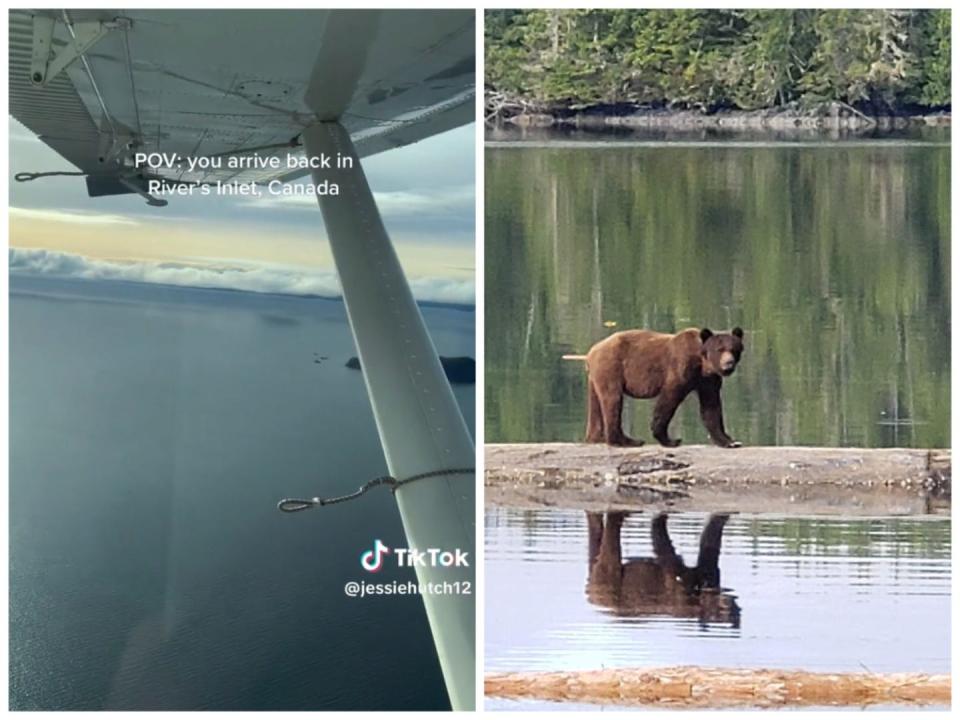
[{"x": 830, "y": 116}]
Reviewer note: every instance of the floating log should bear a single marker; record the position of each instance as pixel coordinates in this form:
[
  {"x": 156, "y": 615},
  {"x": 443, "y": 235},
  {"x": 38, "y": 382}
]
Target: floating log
[
  {"x": 789, "y": 480},
  {"x": 695, "y": 687}
]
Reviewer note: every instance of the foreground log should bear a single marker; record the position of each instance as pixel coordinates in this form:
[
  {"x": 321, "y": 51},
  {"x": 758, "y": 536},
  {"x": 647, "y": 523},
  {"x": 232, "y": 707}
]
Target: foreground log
[
  {"x": 694, "y": 687},
  {"x": 795, "y": 480}
]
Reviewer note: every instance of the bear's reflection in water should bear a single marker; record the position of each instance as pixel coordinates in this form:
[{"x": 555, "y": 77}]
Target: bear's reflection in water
[{"x": 662, "y": 585}]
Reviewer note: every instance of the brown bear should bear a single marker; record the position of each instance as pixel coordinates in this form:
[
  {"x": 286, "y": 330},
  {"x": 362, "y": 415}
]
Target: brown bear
[
  {"x": 663, "y": 584},
  {"x": 646, "y": 364}
]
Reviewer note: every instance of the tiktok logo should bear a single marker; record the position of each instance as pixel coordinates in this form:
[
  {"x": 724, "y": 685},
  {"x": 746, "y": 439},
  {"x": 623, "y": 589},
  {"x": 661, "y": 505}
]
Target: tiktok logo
[{"x": 372, "y": 560}]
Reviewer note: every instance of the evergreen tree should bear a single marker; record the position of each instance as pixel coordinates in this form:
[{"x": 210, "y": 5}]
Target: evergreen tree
[{"x": 708, "y": 59}]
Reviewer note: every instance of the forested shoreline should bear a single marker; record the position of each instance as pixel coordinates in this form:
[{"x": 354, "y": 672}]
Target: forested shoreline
[{"x": 862, "y": 64}]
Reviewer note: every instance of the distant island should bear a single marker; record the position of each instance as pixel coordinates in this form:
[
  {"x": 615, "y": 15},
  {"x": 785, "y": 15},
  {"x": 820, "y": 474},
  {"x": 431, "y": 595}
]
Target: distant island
[
  {"x": 850, "y": 69},
  {"x": 459, "y": 370}
]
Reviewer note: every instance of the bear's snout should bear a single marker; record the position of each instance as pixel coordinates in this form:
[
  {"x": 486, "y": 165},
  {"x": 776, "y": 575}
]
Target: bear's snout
[{"x": 728, "y": 363}]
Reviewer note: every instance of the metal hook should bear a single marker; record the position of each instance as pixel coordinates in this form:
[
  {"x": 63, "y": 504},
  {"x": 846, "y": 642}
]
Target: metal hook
[{"x": 290, "y": 505}]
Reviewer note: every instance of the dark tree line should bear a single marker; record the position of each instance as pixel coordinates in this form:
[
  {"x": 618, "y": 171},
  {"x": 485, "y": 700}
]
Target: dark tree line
[{"x": 880, "y": 60}]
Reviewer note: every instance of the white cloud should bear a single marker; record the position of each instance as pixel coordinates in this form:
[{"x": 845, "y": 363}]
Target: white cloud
[
  {"x": 72, "y": 217},
  {"x": 456, "y": 199},
  {"x": 447, "y": 290},
  {"x": 283, "y": 281}
]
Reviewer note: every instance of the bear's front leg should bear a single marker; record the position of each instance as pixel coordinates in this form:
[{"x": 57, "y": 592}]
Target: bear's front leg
[
  {"x": 711, "y": 413},
  {"x": 708, "y": 561}
]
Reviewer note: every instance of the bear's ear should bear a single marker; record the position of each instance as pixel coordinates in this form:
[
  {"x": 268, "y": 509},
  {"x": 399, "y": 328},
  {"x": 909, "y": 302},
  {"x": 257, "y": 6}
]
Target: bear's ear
[
  {"x": 737, "y": 332},
  {"x": 706, "y": 334}
]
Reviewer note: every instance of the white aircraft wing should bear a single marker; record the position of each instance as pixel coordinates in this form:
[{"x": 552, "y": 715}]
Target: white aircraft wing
[{"x": 98, "y": 85}]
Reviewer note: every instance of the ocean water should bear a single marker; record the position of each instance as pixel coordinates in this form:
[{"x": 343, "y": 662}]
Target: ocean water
[{"x": 152, "y": 432}]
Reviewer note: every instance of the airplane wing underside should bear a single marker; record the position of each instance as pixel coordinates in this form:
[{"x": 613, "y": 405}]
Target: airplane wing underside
[{"x": 213, "y": 83}]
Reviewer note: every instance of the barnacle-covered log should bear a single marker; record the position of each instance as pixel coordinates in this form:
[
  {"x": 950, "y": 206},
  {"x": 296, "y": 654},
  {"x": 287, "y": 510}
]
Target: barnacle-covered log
[{"x": 808, "y": 480}]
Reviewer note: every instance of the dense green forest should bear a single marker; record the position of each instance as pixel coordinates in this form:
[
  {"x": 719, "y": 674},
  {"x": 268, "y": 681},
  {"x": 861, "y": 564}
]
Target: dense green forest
[{"x": 876, "y": 60}]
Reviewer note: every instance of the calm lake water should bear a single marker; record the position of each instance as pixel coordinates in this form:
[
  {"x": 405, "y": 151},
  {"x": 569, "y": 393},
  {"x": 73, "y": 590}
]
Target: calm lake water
[
  {"x": 834, "y": 257},
  {"x": 152, "y": 432},
  {"x": 825, "y": 594}
]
